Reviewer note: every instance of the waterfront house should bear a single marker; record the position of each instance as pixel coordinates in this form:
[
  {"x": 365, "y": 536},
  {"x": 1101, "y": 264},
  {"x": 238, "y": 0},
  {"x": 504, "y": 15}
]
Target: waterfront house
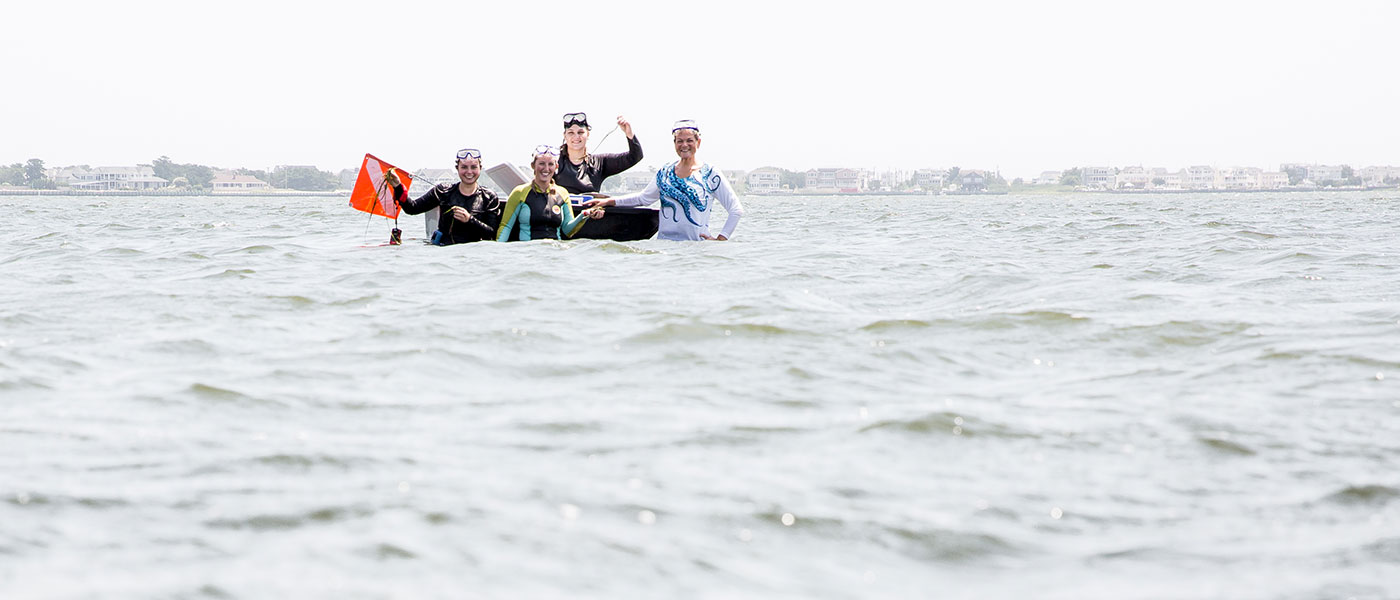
[
  {"x": 1199, "y": 177},
  {"x": 929, "y": 179},
  {"x": 69, "y": 176},
  {"x": 1098, "y": 177},
  {"x": 764, "y": 180},
  {"x": 1325, "y": 173},
  {"x": 972, "y": 181},
  {"x": 821, "y": 179},
  {"x": 850, "y": 180},
  {"x": 1272, "y": 180},
  {"x": 141, "y": 177},
  {"x": 1171, "y": 180},
  {"x": 1048, "y": 178},
  {"x": 1136, "y": 178},
  {"x": 228, "y": 182},
  {"x": 1237, "y": 178},
  {"x": 1376, "y": 176}
]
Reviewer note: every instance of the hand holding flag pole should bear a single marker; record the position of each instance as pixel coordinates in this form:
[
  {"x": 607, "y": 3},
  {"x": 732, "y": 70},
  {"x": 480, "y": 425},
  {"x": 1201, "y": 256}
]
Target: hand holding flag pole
[{"x": 374, "y": 192}]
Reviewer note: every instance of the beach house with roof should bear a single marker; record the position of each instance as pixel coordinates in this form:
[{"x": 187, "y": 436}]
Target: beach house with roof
[
  {"x": 1272, "y": 180},
  {"x": 1098, "y": 177},
  {"x": 929, "y": 179},
  {"x": 140, "y": 177},
  {"x": 1132, "y": 178},
  {"x": 1198, "y": 177},
  {"x": 821, "y": 179},
  {"x": 228, "y": 182},
  {"x": 766, "y": 179},
  {"x": 1171, "y": 180},
  {"x": 1379, "y": 175},
  {"x": 972, "y": 181}
]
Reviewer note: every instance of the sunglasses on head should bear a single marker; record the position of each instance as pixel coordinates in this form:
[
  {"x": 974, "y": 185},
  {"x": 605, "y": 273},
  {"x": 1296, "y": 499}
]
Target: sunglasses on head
[
  {"x": 544, "y": 149},
  {"x": 468, "y": 153},
  {"x": 579, "y": 119}
]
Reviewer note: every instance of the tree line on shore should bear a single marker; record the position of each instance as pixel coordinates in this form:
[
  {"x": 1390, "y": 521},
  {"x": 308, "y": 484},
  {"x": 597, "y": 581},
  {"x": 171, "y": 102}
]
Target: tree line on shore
[
  {"x": 301, "y": 178},
  {"x": 27, "y": 174},
  {"x": 195, "y": 177}
]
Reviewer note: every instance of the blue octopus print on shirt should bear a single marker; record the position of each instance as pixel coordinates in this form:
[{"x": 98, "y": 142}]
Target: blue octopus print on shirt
[{"x": 676, "y": 192}]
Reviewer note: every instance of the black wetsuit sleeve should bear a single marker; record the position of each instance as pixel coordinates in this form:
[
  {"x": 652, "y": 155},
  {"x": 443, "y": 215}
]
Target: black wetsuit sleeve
[
  {"x": 612, "y": 164},
  {"x": 488, "y": 219},
  {"x": 423, "y": 204}
]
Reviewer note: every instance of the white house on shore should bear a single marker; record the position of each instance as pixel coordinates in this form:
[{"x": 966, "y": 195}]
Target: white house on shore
[
  {"x": 237, "y": 183},
  {"x": 1171, "y": 180},
  {"x": 1272, "y": 180},
  {"x": 766, "y": 179},
  {"x": 844, "y": 180},
  {"x": 929, "y": 180},
  {"x": 1136, "y": 178},
  {"x": 141, "y": 177},
  {"x": 1098, "y": 177},
  {"x": 1378, "y": 175}
]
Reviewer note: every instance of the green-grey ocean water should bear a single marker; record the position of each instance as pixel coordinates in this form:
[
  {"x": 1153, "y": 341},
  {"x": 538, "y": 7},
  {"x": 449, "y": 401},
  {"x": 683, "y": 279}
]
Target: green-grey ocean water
[{"x": 1087, "y": 396}]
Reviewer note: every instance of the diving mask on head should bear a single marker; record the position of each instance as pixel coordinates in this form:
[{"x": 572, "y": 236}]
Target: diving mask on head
[{"x": 578, "y": 118}]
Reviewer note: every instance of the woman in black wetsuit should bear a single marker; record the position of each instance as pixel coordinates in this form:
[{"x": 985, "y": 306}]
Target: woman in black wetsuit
[
  {"x": 470, "y": 212},
  {"x": 583, "y": 173}
]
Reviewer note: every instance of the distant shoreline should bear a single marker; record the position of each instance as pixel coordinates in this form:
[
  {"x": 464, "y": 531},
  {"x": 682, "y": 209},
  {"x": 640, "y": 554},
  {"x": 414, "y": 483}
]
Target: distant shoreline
[
  {"x": 5, "y": 191},
  {"x": 1057, "y": 192},
  {"x": 127, "y": 193}
]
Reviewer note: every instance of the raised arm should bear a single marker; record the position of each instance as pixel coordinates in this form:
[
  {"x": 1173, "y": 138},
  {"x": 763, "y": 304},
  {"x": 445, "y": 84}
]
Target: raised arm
[
  {"x": 612, "y": 164},
  {"x": 423, "y": 204}
]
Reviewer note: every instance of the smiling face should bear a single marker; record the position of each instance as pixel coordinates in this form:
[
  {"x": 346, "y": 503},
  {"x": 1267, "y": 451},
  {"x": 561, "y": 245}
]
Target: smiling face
[
  {"x": 544, "y": 166},
  {"x": 576, "y": 136},
  {"x": 687, "y": 143},
  {"x": 469, "y": 170}
]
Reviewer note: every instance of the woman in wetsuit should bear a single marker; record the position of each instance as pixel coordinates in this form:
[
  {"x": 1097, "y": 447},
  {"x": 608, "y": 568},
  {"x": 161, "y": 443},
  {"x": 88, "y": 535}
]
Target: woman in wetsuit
[
  {"x": 470, "y": 212},
  {"x": 583, "y": 173},
  {"x": 540, "y": 209}
]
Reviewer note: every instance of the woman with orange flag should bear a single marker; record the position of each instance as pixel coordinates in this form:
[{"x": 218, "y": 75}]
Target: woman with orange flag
[{"x": 470, "y": 212}]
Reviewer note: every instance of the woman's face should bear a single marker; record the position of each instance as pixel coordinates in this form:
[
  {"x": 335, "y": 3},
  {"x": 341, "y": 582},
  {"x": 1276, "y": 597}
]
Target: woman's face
[
  {"x": 469, "y": 170},
  {"x": 576, "y": 136},
  {"x": 544, "y": 166},
  {"x": 687, "y": 143}
]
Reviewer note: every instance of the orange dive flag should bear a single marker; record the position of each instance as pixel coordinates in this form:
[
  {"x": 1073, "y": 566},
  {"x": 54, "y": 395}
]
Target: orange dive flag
[{"x": 374, "y": 195}]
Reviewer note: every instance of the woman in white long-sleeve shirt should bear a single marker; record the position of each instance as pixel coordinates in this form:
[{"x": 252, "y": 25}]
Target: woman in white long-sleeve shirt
[{"x": 688, "y": 189}]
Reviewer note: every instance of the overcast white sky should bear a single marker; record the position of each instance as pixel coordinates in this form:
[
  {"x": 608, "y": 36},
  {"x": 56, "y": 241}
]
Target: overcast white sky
[{"x": 1023, "y": 86}]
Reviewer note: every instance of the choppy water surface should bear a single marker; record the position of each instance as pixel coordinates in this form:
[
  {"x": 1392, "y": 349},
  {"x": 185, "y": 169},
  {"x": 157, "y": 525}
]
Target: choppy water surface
[{"x": 959, "y": 397}]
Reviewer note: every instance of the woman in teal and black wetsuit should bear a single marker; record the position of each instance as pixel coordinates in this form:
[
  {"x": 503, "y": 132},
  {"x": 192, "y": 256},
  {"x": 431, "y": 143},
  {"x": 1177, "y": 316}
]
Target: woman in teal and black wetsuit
[{"x": 540, "y": 209}]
